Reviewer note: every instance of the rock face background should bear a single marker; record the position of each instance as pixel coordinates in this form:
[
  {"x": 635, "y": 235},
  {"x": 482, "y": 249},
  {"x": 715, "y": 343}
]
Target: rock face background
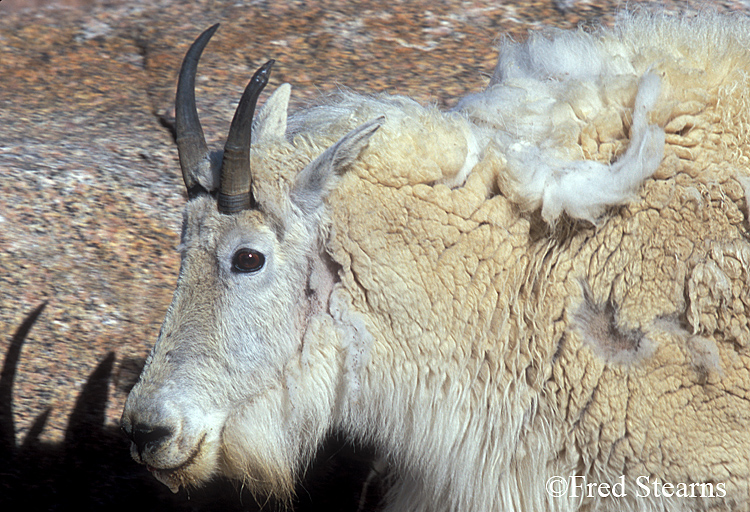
[{"x": 91, "y": 197}]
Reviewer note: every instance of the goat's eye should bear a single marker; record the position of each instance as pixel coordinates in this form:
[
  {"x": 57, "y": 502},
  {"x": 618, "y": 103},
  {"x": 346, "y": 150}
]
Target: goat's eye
[{"x": 247, "y": 260}]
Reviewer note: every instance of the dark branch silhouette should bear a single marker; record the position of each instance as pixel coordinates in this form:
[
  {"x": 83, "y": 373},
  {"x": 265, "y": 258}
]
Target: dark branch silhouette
[{"x": 10, "y": 365}]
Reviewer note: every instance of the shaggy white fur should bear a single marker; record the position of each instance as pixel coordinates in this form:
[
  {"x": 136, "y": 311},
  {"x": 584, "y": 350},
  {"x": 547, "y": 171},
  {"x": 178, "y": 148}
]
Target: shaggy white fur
[
  {"x": 536, "y": 92},
  {"x": 411, "y": 295}
]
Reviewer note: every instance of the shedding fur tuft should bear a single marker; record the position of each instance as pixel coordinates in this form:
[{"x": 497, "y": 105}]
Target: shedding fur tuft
[
  {"x": 601, "y": 330},
  {"x": 541, "y": 96}
]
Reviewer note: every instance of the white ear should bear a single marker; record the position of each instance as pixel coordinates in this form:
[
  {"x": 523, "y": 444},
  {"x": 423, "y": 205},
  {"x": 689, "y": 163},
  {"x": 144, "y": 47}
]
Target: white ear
[
  {"x": 315, "y": 181},
  {"x": 270, "y": 122}
]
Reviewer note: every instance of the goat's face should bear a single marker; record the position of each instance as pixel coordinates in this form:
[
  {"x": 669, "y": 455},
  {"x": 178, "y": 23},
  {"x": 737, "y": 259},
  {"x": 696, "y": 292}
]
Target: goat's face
[
  {"x": 234, "y": 386},
  {"x": 217, "y": 372}
]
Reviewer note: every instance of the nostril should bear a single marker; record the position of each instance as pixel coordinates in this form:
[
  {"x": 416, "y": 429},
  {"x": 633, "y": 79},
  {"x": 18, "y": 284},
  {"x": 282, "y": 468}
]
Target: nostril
[{"x": 145, "y": 436}]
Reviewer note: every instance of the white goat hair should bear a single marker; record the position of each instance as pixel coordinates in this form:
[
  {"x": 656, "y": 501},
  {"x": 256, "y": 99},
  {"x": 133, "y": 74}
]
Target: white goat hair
[
  {"x": 545, "y": 288},
  {"x": 540, "y": 88}
]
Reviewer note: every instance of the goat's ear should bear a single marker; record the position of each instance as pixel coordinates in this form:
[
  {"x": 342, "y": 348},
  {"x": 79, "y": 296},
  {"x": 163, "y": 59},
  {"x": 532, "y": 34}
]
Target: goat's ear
[
  {"x": 270, "y": 122},
  {"x": 318, "y": 178}
]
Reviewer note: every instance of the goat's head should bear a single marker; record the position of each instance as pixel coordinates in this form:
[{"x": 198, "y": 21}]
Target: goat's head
[{"x": 227, "y": 389}]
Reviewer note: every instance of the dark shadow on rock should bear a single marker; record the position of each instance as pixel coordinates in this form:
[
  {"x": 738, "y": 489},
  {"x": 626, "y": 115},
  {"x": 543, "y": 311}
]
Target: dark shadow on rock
[
  {"x": 92, "y": 468},
  {"x": 10, "y": 366}
]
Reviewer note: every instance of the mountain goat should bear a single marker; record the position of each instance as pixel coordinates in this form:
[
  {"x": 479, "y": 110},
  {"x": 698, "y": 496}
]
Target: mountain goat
[{"x": 536, "y": 301}]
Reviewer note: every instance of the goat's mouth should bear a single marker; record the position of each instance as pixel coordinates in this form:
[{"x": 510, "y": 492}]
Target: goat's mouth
[
  {"x": 172, "y": 478},
  {"x": 181, "y": 475}
]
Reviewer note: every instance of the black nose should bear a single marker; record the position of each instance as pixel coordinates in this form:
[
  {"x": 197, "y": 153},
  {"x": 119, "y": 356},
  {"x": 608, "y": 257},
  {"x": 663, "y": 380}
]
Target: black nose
[{"x": 146, "y": 436}]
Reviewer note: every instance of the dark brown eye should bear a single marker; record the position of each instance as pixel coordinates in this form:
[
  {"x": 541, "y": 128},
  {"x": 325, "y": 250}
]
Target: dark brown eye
[{"x": 247, "y": 260}]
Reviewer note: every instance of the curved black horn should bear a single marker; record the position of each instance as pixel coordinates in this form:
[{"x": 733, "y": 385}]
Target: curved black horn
[
  {"x": 191, "y": 144},
  {"x": 235, "y": 192}
]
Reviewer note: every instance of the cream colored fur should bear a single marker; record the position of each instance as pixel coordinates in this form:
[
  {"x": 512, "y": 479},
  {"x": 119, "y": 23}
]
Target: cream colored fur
[{"x": 551, "y": 280}]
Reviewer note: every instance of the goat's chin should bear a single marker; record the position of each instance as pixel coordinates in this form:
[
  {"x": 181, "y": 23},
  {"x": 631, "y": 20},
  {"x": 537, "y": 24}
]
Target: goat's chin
[
  {"x": 197, "y": 469},
  {"x": 180, "y": 477},
  {"x": 256, "y": 451}
]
